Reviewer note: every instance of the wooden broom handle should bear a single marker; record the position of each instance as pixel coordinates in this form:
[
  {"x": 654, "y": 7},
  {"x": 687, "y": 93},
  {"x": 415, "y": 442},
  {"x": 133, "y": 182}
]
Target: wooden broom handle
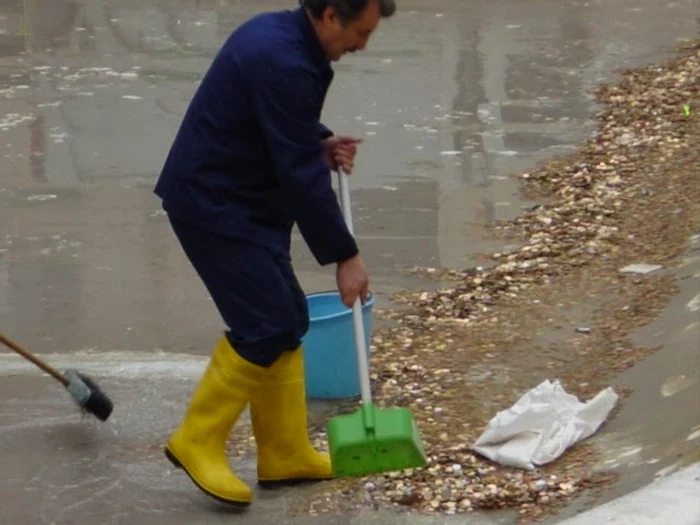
[{"x": 38, "y": 362}]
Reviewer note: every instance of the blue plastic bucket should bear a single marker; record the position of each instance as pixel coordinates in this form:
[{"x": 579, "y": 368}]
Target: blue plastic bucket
[{"x": 330, "y": 357}]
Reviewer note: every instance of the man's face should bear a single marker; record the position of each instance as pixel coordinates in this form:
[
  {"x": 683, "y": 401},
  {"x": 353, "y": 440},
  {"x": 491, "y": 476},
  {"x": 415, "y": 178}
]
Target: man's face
[{"x": 340, "y": 39}]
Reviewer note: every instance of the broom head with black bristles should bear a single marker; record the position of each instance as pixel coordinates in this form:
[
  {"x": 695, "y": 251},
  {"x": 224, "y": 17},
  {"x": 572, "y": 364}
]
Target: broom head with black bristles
[{"x": 89, "y": 397}]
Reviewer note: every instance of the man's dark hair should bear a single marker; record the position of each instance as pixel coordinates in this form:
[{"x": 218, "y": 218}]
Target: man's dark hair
[{"x": 348, "y": 10}]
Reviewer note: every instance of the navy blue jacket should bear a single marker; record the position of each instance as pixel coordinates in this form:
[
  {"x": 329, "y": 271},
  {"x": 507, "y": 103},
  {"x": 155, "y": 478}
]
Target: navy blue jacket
[{"x": 247, "y": 161}]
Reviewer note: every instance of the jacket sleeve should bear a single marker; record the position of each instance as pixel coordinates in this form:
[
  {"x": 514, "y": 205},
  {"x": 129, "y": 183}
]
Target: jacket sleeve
[
  {"x": 287, "y": 99},
  {"x": 324, "y": 132}
]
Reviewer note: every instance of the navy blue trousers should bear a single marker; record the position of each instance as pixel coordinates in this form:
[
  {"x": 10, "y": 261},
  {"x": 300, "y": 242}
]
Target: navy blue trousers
[{"x": 254, "y": 289}]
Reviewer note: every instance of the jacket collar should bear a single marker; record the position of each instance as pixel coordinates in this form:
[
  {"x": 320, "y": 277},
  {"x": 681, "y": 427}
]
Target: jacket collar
[{"x": 310, "y": 37}]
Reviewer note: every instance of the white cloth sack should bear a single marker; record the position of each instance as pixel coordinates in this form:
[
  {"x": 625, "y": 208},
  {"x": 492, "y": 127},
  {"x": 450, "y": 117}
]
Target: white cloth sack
[{"x": 542, "y": 425}]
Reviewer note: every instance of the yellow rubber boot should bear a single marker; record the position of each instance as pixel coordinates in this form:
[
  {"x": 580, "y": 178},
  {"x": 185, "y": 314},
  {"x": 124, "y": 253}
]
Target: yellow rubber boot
[
  {"x": 279, "y": 418},
  {"x": 198, "y": 445}
]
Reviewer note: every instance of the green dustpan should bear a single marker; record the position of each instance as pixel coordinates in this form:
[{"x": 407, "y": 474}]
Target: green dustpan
[{"x": 372, "y": 439}]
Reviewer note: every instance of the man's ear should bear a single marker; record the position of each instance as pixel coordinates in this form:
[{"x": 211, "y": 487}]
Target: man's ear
[{"x": 330, "y": 17}]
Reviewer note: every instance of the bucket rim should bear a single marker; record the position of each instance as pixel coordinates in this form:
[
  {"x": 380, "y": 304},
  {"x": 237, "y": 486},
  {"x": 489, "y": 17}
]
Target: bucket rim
[{"x": 369, "y": 303}]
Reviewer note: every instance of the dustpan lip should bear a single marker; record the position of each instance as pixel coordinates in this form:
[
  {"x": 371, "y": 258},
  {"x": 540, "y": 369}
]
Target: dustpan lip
[{"x": 347, "y": 311}]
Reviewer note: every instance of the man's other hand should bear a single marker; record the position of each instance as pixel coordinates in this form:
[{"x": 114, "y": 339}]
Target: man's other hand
[
  {"x": 340, "y": 151},
  {"x": 353, "y": 281}
]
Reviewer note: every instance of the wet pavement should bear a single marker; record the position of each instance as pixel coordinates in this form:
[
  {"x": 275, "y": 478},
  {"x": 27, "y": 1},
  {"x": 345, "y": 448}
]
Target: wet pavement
[
  {"x": 451, "y": 98},
  {"x": 658, "y": 432}
]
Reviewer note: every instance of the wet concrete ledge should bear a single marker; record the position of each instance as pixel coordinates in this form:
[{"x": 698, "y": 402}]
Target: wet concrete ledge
[{"x": 674, "y": 500}]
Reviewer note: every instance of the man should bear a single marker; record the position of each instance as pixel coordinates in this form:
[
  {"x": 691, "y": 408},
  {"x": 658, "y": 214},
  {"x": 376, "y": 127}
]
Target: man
[{"x": 249, "y": 161}]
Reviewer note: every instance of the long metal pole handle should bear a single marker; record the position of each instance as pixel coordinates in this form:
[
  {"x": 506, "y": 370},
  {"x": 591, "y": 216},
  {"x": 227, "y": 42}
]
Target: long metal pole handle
[{"x": 359, "y": 326}]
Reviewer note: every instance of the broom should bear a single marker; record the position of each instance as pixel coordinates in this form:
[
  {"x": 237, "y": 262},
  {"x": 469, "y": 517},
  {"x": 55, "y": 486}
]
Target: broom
[{"x": 82, "y": 389}]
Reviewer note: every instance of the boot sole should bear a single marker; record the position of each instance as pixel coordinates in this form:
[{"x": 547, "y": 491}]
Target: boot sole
[
  {"x": 271, "y": 484},
  {"x": 176, "y": 463}
]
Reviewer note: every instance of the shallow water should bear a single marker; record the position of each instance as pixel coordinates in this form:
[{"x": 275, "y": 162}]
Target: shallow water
[{"x": 451, "y": 100}]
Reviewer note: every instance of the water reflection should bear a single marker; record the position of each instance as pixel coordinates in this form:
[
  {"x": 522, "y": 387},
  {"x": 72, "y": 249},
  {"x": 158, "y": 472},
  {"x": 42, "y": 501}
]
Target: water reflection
[{"x": 112, "y": 79}]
